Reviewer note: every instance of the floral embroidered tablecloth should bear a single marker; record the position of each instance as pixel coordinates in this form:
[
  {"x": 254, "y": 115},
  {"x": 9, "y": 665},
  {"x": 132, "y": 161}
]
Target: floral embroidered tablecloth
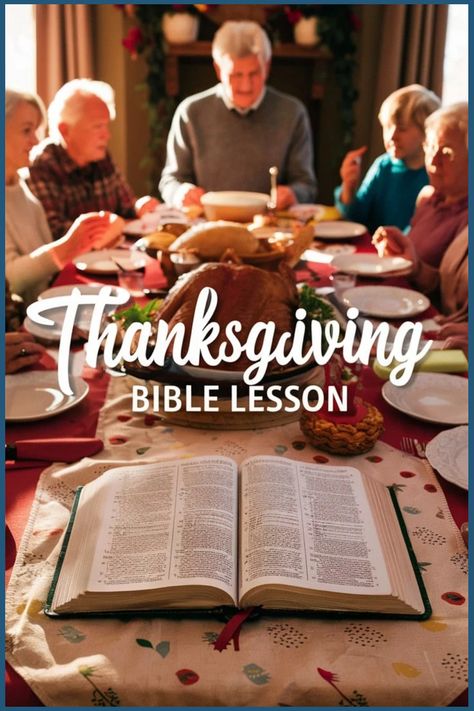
[{"x": 281, "y": 661}]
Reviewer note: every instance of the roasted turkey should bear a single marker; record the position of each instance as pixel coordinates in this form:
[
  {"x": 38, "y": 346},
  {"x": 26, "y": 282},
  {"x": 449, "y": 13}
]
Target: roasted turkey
[{"x": 245, "y": 293}]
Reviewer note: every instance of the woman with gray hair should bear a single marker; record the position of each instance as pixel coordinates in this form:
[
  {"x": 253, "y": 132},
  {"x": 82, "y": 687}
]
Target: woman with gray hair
[
  {"x": 437, "y": 244},
  {"x": 31, "y": 256},
  {"x": 441, "y": 211}
]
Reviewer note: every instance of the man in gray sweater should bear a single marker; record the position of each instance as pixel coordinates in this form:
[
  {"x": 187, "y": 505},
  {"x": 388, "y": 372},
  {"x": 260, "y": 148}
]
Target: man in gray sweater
[{"x": 228, "y": 137}]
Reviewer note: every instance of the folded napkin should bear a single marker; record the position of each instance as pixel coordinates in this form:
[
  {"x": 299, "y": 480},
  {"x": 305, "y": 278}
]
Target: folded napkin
[
  {"x": 327, "y": 213},
  {"x": 449, "y": 361},
  {"x": 11, "y": 464},
  {"x": 62, "y": 449}
]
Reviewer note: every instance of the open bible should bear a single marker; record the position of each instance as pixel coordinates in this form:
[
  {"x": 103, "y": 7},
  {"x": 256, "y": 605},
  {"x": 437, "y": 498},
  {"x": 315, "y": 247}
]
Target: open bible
[{"x": 201, "y": 535}]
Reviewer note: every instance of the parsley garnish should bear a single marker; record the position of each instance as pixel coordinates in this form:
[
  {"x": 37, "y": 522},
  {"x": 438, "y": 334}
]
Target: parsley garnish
[
  {"x": 314, "y": 305},
  {"x": 138, "y": 313}
]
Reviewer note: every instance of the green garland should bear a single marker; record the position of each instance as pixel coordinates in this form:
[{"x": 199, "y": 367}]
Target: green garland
[
  {"x": 160, "y": 107},
  {"x": 337, "y": 26}
]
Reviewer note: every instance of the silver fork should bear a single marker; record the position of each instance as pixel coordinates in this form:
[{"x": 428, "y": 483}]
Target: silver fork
[
  {"x": 407, "y": 444},
  {"x": 413, "y": 446}
]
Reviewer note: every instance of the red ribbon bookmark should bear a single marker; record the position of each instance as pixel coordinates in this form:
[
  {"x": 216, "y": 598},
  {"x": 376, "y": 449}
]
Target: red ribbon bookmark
[{"x": 231, "y": 630}]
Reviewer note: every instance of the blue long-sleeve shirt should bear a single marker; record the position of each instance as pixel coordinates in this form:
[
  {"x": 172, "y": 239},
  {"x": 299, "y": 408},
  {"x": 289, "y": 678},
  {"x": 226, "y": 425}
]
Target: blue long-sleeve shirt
[{"x": 386, "y": 196}]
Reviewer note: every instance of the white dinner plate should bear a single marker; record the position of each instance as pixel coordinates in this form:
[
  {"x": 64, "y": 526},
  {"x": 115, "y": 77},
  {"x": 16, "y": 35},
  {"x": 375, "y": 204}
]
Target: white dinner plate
[
  {"x": 386, "y": 301},
  {"x": 370, "y": 264},
  {"x": 434, "y": 397},
  {"x": 339, "y": 229},
  {"x": 336, "y": 249},
  {"x": 35, "y": 395},
  {"x": 102, "y": 261},
  {"x": 150, "y": 221},
  {"x": 83, "y": 316},
  {"x": 306, "y": 211},
  {"x": 448, "y": 454}
]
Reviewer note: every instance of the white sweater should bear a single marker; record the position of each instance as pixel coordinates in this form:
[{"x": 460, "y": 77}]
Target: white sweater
[{"x": 26, "y": 229}]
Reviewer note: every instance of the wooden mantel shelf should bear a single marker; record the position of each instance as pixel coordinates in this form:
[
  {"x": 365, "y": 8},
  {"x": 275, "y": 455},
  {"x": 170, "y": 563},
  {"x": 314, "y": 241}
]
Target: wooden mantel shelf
[{"x": 288, "y": 51}]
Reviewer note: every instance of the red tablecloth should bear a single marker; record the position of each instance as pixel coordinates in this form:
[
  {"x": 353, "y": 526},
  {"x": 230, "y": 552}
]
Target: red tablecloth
[{"x": 82, "y": 421}]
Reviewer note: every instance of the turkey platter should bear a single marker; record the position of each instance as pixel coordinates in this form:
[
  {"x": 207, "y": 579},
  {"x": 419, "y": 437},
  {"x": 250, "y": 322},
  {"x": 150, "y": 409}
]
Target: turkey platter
[{"x": 245, "y": 293}]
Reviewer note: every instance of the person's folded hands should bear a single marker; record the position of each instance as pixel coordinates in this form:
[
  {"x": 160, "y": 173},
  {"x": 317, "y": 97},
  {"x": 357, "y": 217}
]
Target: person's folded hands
[
  {"x": 21, "y": 350},
  {"x": 93, "y": 230},
  {"x": 192, "y": 196},
  {"x": 145, "y": 204},
  {"x": 285, "y": 197},
  {"x": 455, "y": 335}
]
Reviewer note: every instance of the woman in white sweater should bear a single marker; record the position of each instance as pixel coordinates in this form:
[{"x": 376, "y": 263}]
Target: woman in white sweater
[{"x": 31, "y": 256}]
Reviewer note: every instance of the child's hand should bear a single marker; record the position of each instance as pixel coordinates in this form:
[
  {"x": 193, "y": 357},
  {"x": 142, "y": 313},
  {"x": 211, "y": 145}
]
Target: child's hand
[{"x": 350, "y": 173}]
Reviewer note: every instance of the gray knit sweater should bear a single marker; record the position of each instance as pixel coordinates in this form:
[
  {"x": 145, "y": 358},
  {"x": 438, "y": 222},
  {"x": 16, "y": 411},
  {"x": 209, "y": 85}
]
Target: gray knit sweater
[{"x": 219, "y": 149}]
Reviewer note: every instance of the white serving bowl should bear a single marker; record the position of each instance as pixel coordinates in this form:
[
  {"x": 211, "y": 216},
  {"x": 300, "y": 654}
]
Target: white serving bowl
[
  {"x": 184, "y": 262},
  {"x": 234, "y": 205}
]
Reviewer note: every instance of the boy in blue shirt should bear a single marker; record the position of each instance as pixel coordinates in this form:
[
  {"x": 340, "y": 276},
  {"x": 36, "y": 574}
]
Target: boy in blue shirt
[{"x": 387, "y": 195}]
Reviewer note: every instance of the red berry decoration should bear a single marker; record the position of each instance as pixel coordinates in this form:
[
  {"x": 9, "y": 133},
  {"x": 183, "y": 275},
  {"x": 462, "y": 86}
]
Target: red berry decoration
[
  {"x": 124, "y": 418},
  {"x": 321, "y": 459},
  {"x": 375, "y": 459},
  {"x": 407, "y": 474},
  {"x": 118, "y": 440},
  {"x": 187, "y": 676},
  {"x": 56, "y": 532},
  {"x": 453, "y": 598},
  {"x": 151, "y": 420},
  {"x": 431, "y": 488}
]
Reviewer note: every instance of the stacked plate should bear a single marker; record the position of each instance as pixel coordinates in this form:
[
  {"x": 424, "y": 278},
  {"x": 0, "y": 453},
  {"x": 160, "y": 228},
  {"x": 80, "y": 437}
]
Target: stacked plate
[
  {"x": 386, "y": 301},
  {"x": 371, "y": 265},
  {"x": 83, "y": 316},
  {"x": 448, "y": 454},
  {"x": 339, "y": 230},
  {"x": 433, "y": 397},
  {"x": 35, "y": 395},
  {"x": 107, "y": 261},
  {"x": 151, "y": 221}
]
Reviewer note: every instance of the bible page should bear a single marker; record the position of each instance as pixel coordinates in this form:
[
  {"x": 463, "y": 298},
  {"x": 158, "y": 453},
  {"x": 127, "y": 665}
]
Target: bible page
[
  {"x": 169, "y": 524},
  {"x": 308, "y": 526}
]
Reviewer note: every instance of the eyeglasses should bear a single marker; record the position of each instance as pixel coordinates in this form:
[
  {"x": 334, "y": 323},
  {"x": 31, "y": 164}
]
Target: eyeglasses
[{"x": 446, "y": 152}]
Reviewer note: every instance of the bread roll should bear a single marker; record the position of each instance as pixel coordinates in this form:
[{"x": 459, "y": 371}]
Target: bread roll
[
  {"x": 159, "y": 240},
  {"x": 211, "y": 239}
]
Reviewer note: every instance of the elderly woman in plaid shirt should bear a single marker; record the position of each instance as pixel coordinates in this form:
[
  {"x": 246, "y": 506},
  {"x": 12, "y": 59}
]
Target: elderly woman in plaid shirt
[{"x": 72, "y": 172}]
